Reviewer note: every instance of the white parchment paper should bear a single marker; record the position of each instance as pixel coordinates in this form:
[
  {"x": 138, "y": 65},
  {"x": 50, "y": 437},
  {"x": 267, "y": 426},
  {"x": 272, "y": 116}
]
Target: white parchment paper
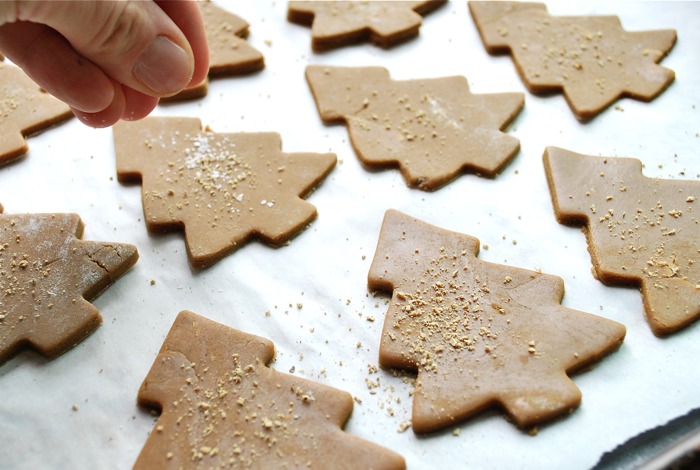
[{"x": 71, "y": 168}]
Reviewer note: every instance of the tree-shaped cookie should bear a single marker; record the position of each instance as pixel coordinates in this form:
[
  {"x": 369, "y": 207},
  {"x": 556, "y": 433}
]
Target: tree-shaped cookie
[
  {"x": 222, "y": 189},
  {"x": 229, "y": 53},
  {"x": 479, "y": 334},
  {"x": 432, "y": 129},
  {"x": 591, "y": 58},
  {"x": 640, "y": 231},
  {"x": 222, "y": 407},
  {"x": 25, "y": 109},
  {"x": 339, "y": 23},
  {"x": 48, "y": 275}
]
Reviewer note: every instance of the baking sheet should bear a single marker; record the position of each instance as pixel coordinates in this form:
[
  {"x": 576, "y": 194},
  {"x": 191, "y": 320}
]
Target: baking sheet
[{"x": 71, "y": 168}]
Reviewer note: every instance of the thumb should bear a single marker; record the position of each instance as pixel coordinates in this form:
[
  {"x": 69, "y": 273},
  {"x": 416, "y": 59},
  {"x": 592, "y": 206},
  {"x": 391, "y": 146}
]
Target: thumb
[{"x": 134, "y": 43}]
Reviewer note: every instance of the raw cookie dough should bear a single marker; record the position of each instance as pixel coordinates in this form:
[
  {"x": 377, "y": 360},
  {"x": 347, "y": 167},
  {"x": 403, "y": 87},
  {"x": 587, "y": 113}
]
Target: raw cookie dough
[
  {"x": 591, "y": 58},
  {"x": 222, "y": 407},
  {"x": 222, "y": 189},
  {"x": 25, "y": 109},
  {"x": 338, "y": 23},
  {"x": 432, "y": 129},
  {"x": 47, "y": 278},
  {"x": 477, "y": 333},
  {"x": 229, "y": 53},
  {"x": 640, "y": 231}
]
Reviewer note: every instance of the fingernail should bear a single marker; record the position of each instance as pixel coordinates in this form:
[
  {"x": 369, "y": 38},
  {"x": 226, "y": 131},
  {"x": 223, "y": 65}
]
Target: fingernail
[{"x": 164, "y": 67}]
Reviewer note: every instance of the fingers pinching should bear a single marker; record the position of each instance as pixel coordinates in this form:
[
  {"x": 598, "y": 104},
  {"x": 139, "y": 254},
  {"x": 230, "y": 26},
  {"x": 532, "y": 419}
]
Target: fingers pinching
[
  {"x": 135, "y": 43},
  {"x": 107, "y": 60}
]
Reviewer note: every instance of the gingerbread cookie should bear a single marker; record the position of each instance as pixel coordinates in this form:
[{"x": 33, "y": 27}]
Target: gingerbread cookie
[
  {"x": 640, "y": 231},
  {"x": 222, "y": 407},
  {"x": 48, "y": 275},
  {"x": 338, "y": 23},
  {"x": 222, "y": 189},
  {"x": 229, "y": 53},
  {"x": 591, "y": 58},
  {"x": 478, "y": 333},
  {"x": 25, "y": 109},
  {"x": 432, "y": 129}
]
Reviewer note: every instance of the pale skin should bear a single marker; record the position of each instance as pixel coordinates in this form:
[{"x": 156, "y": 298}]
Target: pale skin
[{"x": 108, "y": 60}]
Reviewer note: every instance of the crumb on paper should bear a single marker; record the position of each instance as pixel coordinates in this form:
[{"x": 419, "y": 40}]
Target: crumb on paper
[{"x": 403, "y": 427}]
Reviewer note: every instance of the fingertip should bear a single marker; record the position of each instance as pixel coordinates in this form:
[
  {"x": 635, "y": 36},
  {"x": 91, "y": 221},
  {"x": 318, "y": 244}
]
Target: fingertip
[
  {"x": 107, "y": 117},
  {"x": 188, "y": 17},
  {"x": 137, "y": 105},
  {"x": 201, "y": 63},
  {"x": 197, "y": 80},
  {"x": 97, "y": 99}
]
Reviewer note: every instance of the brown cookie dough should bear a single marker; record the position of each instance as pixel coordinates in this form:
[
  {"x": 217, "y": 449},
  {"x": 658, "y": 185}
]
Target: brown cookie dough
[
  {"x": 47, "y": 278},
  {"x": 25, "y": 109},
  {"x": 432, "y": 129},
  {"x": 338, "y": 23},
  {"x": 591, "y": 58},
  {"x": 640, "y": 231},
  {"x": 229, "y": 53},
  {"x": 477, "y": 333},
  {"x": 222, "y": 189},
  {"x": 222, "y": 407}
]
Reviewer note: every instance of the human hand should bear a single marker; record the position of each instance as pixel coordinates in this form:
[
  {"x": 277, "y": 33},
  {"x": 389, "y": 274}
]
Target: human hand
[{"x": 108, "y": 60}]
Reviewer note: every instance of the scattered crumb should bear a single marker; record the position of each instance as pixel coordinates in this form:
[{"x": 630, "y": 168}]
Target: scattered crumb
[{"x": 403, "y": 427}]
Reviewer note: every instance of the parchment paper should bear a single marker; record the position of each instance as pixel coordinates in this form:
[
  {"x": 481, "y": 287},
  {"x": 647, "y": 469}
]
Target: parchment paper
[{"x": 71, "y": 168}]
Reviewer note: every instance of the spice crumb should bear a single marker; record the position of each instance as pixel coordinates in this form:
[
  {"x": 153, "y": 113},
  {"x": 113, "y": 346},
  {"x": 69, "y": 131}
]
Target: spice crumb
[{"x": 403, "y": 427}]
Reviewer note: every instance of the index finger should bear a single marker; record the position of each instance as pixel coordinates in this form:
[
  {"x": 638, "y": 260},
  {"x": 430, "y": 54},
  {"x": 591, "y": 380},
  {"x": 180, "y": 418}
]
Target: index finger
[{"x": 188, "y": 17}]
